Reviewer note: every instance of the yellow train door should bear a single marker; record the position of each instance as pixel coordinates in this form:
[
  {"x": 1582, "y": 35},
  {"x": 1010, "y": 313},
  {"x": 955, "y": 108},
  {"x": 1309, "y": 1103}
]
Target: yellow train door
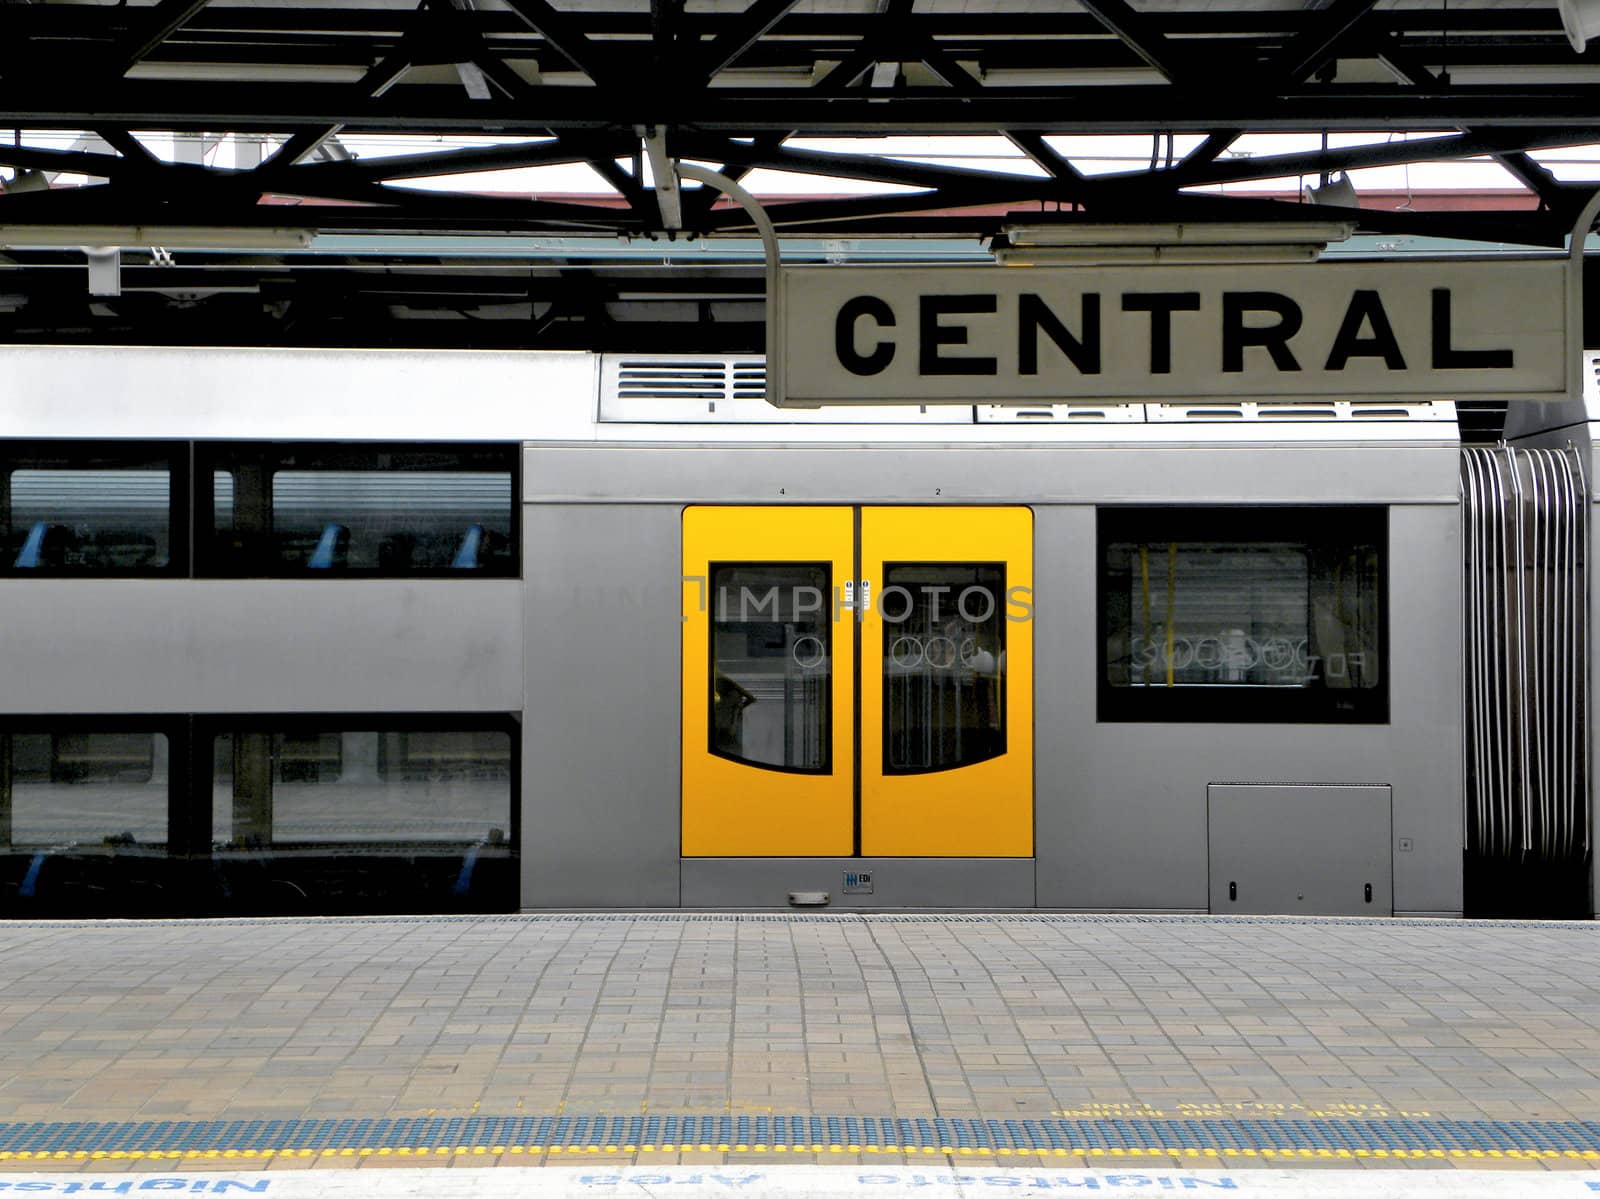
[
  {"x": 929, "y": 673},
  {"x": 947, "y": 683},
  {"x": 768, "y": 696}
]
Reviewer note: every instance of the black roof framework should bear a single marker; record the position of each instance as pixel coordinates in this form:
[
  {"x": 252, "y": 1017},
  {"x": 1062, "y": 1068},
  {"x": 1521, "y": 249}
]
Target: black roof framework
[{"x": 735, "y": 83}]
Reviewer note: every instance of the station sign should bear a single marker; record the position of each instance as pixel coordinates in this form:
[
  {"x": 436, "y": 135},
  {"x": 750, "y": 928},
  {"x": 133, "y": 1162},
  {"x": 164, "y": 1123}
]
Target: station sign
[{"x": 1490, "y": 328}]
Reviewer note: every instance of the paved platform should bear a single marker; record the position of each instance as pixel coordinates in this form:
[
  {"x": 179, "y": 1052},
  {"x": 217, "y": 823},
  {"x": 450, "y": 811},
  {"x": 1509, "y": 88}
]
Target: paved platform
[{"x": 609, "y": 1040}]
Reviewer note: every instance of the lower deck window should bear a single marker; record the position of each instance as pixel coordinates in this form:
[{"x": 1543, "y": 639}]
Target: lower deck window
[
  {"x": 361, "y": 788},
  {"x": 84, "y": 792},
  {"x": 192, "y": 816},
  {"x": 1243, "y": 614}
]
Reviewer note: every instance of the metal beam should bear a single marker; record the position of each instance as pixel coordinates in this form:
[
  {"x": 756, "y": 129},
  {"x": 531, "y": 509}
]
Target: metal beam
[
  {"x": 1213, "y": 148},
  {"x": 304, "y": 142},
  {"x": 808, "y": 214},
  {"x": 1534, "y": 177},
  {"x": 72, "y": 162},
  {"x": 1350, "y": 158},
  {"x": 698, "y": 203},
  {"x": 851, "y": 166},
  {"x": 451, "y": 162},
  {"x": 847, "y": 73},
  {"x": 157, "y": 25},
  {"x": 1035, "y": 147},
  {"x": 1524, "y": 169},
  {"x": 369, "y": 209},
  {"x": 1230, "y": 171},
  {"x": 939, "y": 60},
  {"x": 561, "y": 30},
  {"x": 1139, "y": 34},
  {"x": 1513, "y": 27},
  {"x": 130, "y": 147},
  {"x": 1310, "y": 49},
  {"x": 599, "y": 156},
  {"x": 1137, "y": 109},
  {"x": 747, "y": 29}
]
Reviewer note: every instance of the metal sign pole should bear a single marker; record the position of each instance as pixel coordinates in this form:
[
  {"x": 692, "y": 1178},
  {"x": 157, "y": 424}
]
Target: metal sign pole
[
  {"x": 769, "y": 246},
  {"x": 1580, "y": 235}
]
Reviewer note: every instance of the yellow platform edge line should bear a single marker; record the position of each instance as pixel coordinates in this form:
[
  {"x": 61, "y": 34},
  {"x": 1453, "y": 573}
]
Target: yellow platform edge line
[{"x": 434, "y": 1151}]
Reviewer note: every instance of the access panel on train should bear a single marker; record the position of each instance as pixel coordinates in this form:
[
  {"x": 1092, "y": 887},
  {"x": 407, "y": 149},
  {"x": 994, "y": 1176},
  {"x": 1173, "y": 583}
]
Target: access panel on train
[{"x": 858, "y": 681}]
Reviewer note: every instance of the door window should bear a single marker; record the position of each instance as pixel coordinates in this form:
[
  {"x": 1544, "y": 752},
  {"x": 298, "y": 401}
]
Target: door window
[
  {"x": 944, "y": 656},
  {"x": 771, "y": 665}
]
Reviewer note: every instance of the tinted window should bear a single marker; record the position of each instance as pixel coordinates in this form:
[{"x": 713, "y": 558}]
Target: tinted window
[
  {"x": 90, "y": 508},
  {"x": 944, "y": 655},
  {"x": 361, "y": 787},
  {"x": 771, "y": 667},
  {"x": 1230, "y": 614},
  {"x": 321, "y": 511},
  {"x": 75, "y": 790},
  {"x": 84, "y": 820},
  {"x": 363, "y": 819}
]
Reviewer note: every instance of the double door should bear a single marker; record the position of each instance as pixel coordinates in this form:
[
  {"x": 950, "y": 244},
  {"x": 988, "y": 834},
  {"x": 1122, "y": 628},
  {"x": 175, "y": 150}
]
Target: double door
[{"x": 857, "y": 681}]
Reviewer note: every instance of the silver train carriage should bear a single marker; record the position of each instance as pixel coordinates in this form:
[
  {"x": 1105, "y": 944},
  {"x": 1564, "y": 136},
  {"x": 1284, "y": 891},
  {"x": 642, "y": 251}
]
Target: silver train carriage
[{"x": 350, "y": 631}]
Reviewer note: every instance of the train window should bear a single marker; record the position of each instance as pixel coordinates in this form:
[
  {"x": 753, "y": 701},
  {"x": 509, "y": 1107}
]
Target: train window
[
  {"x": 771, "y": 670},
  {"x": 84, "y": 822},
  {"x": 72, "y": 790},
  {"x": 326, "y": 818},
  {"x": 91, "y": 509},
  {"x": 1243, "y": 614},
  {"x": 385, "y": 511},
  {"x": 944, "y": 655}
]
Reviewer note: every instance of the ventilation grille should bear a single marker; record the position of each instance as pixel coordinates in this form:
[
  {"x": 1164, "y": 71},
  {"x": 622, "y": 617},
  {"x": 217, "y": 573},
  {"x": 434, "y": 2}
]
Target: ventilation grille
[
  {"x": 1267, "y": 411},
  {"x": 699, "y": 380},
  {"x": 1059, "y": 414},
  {"x": 730, "y": 389}
]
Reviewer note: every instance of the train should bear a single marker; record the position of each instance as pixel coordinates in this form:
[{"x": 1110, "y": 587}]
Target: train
[{"x": 396, "y": 631}]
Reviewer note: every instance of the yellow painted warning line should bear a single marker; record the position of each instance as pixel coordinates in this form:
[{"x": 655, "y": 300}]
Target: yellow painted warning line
[{"x": 437, "y": 1151}]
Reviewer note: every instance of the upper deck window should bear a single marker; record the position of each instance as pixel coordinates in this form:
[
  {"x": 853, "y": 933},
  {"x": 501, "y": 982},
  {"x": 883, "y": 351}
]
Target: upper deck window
[
  {"x": 365, "y": 510},
  {"x": 91, "y": 508}
]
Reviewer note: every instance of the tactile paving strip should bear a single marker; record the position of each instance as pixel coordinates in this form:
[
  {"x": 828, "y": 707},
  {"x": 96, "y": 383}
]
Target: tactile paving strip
[{"x": 1099, "y": 1137}]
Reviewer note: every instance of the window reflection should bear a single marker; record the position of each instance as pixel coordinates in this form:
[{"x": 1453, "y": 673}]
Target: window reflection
[
  {"x": 86, "y": 511},
  {"x": 83, "y": 824},
  {"x": 944, "y": 655},
  {"x": 324, "y": 510},
  {"x": 363, "y": 820},
  {"x": 76, "y": 790},
  {"x": 1231, "y": 602},
  {"x": 771, "y": 664},
  {"x": 124, "y": 821},
  {"x": 361, "y": 788}
]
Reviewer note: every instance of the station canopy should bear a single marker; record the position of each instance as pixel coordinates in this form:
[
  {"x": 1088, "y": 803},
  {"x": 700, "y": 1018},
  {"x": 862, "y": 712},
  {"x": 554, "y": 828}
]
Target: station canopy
[{"x": 497, "y": 172}]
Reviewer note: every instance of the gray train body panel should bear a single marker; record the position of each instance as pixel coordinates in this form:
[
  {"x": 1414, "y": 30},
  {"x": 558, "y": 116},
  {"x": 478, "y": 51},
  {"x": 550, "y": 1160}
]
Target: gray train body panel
[
  {"x": 1120, "y": 808},
  {"x": 600, "y": 732},
  {"x": 585, "y": 648},
  {"x": 280, "y": 645}
]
